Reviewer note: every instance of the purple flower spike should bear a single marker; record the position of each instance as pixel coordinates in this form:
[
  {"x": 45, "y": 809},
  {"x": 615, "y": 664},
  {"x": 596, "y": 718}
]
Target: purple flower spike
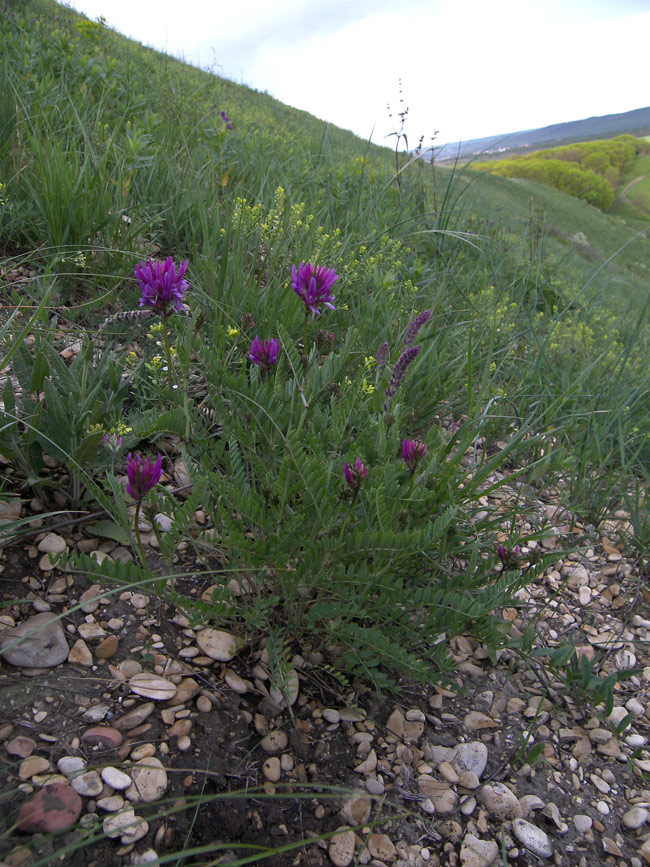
[
  {"x": 264, "y": 352},
  {"x": 355, "y": 476},
  {"x": 162, "y": 285},
  {"x": 413, "y": 451},
  {"x": 142, "y": 475},
  {"x": 402, "y": 364},
  {"x": 313, "y": 285},
  {"x": 414, "y": 327},
  {"x": 509, "y": 558},
  {"x": 225, "y": 119}
]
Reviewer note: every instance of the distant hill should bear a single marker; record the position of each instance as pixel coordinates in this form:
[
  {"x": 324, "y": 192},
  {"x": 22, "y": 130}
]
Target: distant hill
[{"x": 635, "y": 122}]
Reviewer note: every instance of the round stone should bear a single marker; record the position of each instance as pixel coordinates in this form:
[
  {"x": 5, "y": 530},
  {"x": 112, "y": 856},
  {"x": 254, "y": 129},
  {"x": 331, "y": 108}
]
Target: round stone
[
  {"x": 20, "y": 746},
  {"x": 471, "y": 756},
  {"x": 71, "y": 765},
  {"x": 341, "y": 847},
  {"x": 217, "y": 644},
  {"x": 87, "y": 785},
  {"x": 115, "y": 778},
  {"x": 272, "y": 769},
  {"x": 275, "y": 742},
  {"x": 149, "y": 780},
  {"x": 54, "y": 808},
  {"x": 500, "y": 802},
  {"x": 39, "y": 642},
  {"x": 635, "y": 818},
  {"x": 33, "y": 765},
  {"x": 104, "y": 736},
  {"x": 107, "y": 647}
]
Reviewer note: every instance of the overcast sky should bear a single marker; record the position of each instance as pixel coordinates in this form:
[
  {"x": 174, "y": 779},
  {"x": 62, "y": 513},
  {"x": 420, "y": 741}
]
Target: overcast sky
[{"x": 469, "y": 68}]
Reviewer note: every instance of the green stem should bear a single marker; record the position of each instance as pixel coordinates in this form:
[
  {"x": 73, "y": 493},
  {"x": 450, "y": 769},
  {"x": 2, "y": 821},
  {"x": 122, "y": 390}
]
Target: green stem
[
  {"x": 168, "y": 352},
  {"x": 138, "y": 538},
  {"x": 304, "y": 341},
  {"x": 347, "y": 517}
]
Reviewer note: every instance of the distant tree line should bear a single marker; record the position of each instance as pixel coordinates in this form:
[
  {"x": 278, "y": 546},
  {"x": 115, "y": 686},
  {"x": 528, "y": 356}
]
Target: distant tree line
[{"x": 588, "y": 170}]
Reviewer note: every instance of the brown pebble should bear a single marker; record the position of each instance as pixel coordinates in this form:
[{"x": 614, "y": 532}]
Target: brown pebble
[
  {"x": 20, "y": 746},
  {"x": 107, "y": 736},
  {"x": 203, "y": 704},
  {"x": 107, "y": 647}
]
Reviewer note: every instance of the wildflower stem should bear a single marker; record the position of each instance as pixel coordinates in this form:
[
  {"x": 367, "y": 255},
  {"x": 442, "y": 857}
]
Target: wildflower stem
[
  {"x": 168, "y": 352},
  {"x": 136, "y": 529},
  {"x": 347, "y": 517},
  {"x": 304, "y": 340}
]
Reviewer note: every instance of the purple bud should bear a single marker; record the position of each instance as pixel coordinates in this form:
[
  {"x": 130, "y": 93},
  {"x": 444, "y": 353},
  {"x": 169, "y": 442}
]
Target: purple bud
[
  {"x": 355, "y": 476},
  {"x": 142, "y": 475},
  {"x": 264, "y": 352},
  {"x": 412, "y": 452}
]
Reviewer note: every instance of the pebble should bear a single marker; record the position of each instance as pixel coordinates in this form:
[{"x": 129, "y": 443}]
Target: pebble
[
  {"x": 341, "y": 847},
  {"x": 107, "y": 647},
  {"x": 115, "y": 778},
  {"x": 52, "y": 543},
  {"x": 56, "y": 807},
  {"x": 149, "y": 780},
  {"x": 151, "y": 686},
  {"x": 88, "y": 785},
  {"x": 533, "y": 838},
  {"x": 500, "y": 802},
  {"x": 381, "y": 847},
  {"x": 71, "y": 765},
  {"x": 142, "y": 751},
  {"x": 272, "y": 769},
  {"x": 38, "y": 642},
  {"x": 216, "y": 644},
  {"x": 203, "y": 704},
  {"x": 356, "y": 809},
  {"x": 20, "y": 746},
  {"x": 134, "y": 717},
  {"x": 582, "y": 823},
  {"x": 471, "y": 756},
  {"x": 80, "y": 654},
  {"x": 33, "y": 765},
  {"x": 635, "y": 818},
  {"x": 478, "y": 853},
  {"x": 106, "y": 736},
  {"x": 274, "y": 742}
]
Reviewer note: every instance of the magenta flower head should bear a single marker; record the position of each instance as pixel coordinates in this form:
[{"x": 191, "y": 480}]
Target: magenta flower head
[
  {"x": 313, "y": 285},
  {"x": 509, "y": 557},
  {"x": 142, "y": 475},
  {"x": 413, "y": 451},
  {"x": 355, "y": 476},
  {"x": 264, "y": 352},
  {"x": 162, "y": 284}
]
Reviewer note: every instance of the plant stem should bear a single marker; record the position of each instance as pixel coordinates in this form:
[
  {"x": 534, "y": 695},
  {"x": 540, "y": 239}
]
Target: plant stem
[
  {"x": 136, "y": 529},
  {"x": 347, "y": 517},
  {"x": 168, "y": 352},
  {"x": 304, "y": 340}
]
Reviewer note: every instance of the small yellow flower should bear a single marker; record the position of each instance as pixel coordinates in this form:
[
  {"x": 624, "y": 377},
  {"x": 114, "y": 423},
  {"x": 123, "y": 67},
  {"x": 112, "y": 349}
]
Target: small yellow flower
[
  {"x": 367, "y": 387},
  {"x": 232, "y": 332}
]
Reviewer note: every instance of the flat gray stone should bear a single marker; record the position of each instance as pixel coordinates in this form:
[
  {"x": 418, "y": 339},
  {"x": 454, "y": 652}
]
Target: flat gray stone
[
  {"x": 533, "y": 838},
  {"x": 39, "y": 642}
]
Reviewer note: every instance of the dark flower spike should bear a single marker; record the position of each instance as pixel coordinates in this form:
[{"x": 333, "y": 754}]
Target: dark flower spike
[
  {"x": 313, "y": 285},
  {"x": 413, "y": 451},
  {"x": 399, "y": 370},
  {"x": 162, "y": 284},
  {"x": 225, "y": 119},
  {"x": 509, "y": 558},
  {"x": 382, "y": 355},
  {"x": 354, "y": 476},
  {"x": 142, "y": 475},
  {"x": 414, "y": 327},
  {"x": 264, "y": 352}
]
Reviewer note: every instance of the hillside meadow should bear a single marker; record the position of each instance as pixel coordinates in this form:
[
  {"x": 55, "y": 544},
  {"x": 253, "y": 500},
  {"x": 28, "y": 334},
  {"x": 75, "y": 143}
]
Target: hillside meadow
[{"x": 307, "y": 358}]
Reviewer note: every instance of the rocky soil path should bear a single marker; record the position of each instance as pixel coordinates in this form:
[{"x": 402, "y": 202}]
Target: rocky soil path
[{"x": 128, "y": 732}]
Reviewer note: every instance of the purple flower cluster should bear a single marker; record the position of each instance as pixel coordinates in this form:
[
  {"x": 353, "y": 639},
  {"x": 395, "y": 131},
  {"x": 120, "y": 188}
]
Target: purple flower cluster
[
  {"x": 225, "y": 119},
  {"x": 162, "y": 284},
  {"x": 142, "y": 475},
  {"x": 414, "y": 327},
  {"x": 413, "y": 451},
  {"x": 399, "y": 370},
  {"x": 382, "y": 355},
  {"x": 264, "y": 352},
  {"x": 354, "y": 476},
  {"x": 313, "y": 284},
  {"x": 509, "y": 557}
]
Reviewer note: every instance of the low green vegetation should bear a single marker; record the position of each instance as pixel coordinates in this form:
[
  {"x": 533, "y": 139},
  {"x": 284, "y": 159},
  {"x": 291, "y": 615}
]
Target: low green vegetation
[{"x": 588, "y": 170}]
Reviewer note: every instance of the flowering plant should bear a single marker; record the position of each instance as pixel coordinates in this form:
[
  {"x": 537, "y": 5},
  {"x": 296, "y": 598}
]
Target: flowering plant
[
  {"x": 162, "y": 284},
  {"x": 412, "y": 452},
  {"x": 354, "y": 476},
  {"x": 142, "y": 475},
  {"x": 264, "y": 353},
  {"x": 313, "y": 285}
]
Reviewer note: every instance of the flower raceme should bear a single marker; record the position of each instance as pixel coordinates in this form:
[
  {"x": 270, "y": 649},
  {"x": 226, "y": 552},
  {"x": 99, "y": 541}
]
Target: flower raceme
[
  {"x": 264, "y": 352},
  {"x": 142, "y": 475},
  {"x": 162, "y": 284},
  {"x": 414, "y": 328},
  {"x": 313, "y": 284},
  {"x": 402, "y": 364},
  {"x": 354, "y": 476},
  {"x": 413, "y": 451}
]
